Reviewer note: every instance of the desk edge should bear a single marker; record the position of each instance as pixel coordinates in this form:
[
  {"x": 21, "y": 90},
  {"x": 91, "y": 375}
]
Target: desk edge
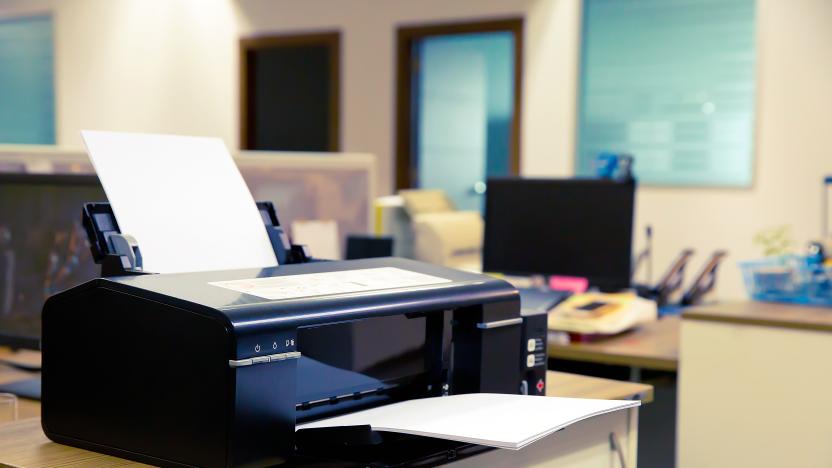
[{"x": 755, "y": 321}]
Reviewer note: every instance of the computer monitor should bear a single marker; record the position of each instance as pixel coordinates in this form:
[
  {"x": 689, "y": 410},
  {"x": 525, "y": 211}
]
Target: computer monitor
[
  {"x": 570, "y": 227},
  {"x": 43, "y": 247}
]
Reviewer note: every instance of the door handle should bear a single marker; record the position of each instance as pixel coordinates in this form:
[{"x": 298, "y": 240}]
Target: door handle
[{"x": 478, "y": 188}]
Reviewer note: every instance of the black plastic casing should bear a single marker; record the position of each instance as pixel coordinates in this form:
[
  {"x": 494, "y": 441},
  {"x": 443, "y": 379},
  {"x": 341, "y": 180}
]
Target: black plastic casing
[
  {"x": 138, "y": 366},
  {"x": 535, "y": 328}
]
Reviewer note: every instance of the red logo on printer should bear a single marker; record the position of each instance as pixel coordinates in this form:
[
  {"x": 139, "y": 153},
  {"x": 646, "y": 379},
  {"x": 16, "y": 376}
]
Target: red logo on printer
[{"x": 540, "y": 385}]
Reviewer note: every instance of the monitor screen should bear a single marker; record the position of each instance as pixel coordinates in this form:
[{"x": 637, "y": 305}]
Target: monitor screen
[
  {"x": 43, "y": 247},
  {"x": 570, "y": 227}
]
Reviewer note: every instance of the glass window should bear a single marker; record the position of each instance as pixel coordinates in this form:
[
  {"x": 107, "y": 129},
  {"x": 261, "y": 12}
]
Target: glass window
[
  {"x": 671, "y": 82},
  {"x": 464, "y": 103},
  {"x": 27, "y": 90}
]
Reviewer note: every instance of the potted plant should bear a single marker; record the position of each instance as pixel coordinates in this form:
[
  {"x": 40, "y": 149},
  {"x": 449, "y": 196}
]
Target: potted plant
[{"x": 776, "y": 273}]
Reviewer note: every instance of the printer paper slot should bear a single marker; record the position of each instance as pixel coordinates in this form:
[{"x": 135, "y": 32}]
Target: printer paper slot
[
  {"x": 362, "y": 446},
  {"x": 183, "y": 199}
]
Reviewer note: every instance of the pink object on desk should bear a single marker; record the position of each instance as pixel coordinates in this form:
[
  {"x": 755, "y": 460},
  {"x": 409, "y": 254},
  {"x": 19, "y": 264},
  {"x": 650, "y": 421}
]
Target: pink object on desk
[{"x": 572, "y": 284}]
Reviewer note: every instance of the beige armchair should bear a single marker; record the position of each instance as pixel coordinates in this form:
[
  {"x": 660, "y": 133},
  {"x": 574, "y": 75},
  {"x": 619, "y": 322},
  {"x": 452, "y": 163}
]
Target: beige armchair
[{"x": 426, "y": 227}]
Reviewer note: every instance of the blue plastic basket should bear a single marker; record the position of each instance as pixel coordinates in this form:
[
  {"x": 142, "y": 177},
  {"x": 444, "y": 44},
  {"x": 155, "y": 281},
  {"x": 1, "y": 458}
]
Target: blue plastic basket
[{"x": 790, "y": 278}]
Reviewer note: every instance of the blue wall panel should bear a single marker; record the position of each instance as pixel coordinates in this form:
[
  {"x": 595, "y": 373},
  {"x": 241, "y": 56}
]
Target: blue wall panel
[
  {"x": 27, "y": 89},
  {"x": 673, "y": 83}
]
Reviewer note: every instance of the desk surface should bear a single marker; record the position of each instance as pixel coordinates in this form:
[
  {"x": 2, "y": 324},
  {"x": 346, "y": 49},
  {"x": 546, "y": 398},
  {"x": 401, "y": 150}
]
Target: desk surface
[
  {"x": 652, "y": 346},
  {"x": 562, "y": 384},
  {"x": 765, "y": 314},
  {"x": 26, "y": 408},
  {"x": 23, "y": 443}
]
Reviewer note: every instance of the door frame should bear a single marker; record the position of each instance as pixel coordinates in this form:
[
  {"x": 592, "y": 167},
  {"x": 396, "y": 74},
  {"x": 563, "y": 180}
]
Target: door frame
[
  {"x": 406, "y": 164},
  {"x": 330, "y": 39}
]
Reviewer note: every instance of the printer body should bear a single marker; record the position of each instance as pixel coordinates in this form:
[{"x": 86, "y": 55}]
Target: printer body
[
  {"x": 217, "y": 368},
  {"x": 170, "y": 369}
]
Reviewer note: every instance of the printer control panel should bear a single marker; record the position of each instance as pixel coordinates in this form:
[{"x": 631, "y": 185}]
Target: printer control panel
[
  {"x": 533, "y": 367},
  {"x": 263, "y": 359},
  {"x": 263, "y": 349}
]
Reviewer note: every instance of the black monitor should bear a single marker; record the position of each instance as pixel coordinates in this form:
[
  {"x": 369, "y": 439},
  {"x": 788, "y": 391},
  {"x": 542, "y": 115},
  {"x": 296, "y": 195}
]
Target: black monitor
[
  {"x": 43, "y": 247},
  {"x": 570, "y": 227}
]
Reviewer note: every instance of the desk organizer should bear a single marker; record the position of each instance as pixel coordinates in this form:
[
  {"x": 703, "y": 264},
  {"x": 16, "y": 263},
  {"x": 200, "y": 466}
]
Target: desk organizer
[{"x": 790, "y": 278}]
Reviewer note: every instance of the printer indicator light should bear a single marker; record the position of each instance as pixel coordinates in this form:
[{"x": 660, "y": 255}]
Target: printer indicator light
[{"x": 540, "y": 385}]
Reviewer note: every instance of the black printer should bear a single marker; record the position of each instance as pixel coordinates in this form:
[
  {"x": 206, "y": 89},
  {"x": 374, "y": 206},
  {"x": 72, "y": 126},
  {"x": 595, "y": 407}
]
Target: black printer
[{"x": 217, "y": 368}]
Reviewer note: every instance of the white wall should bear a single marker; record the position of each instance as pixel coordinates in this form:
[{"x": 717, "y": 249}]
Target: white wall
[
  {"x": 171, "y": 66},
  {"x": 368, "y": 44},
  {"x": 793, "y": 151},
  {"x": 162, "y": 66}
]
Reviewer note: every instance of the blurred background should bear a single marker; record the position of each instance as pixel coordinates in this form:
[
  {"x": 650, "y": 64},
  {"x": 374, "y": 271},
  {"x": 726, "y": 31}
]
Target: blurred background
[
  {"x": 722, "y": 103},
  {"x": 382, "y": 127}
]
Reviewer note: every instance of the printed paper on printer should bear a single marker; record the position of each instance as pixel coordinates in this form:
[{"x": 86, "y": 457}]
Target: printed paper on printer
[{"x": 333, "y": 282}]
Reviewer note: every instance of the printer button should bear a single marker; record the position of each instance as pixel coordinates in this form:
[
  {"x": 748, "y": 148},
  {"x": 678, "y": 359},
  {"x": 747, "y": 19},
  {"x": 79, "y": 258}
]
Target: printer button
[
  {"x": 239, "y": 362},
  {"x": 285, "y": 356},
  {"x": 260, "y": 359}
]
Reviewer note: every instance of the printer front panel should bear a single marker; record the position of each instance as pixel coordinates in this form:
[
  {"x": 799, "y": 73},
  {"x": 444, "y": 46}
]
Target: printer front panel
[
  {"x": 349, "y": 365},
  {"x": 264, "y": 413},
  {"x": 265, "y": 376}
]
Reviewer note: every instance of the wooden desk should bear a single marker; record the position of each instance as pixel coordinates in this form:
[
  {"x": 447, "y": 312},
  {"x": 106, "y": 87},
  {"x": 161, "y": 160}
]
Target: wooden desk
[
  {"x": 653, "y": 346},
  {"x": 754, "y": 386},
  {"x": 23, "y": 443},
  {"x": 766, "y": 314},
  {"x": 26, "y": 408},
  {"x": 562, "y": 384}
]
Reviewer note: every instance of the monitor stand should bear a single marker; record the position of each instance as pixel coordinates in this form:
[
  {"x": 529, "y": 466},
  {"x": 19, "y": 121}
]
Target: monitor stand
[{"x": 24, "y": 388}]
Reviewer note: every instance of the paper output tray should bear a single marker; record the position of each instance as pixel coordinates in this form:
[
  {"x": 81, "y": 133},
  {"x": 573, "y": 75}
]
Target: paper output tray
[{"x": 361, "y": 446}]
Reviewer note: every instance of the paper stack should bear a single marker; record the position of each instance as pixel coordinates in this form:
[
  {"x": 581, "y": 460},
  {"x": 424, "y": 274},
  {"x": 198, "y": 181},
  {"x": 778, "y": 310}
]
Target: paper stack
[
  {"x": 494, "y": 420},
  {"x": 183, "y": 200}
]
